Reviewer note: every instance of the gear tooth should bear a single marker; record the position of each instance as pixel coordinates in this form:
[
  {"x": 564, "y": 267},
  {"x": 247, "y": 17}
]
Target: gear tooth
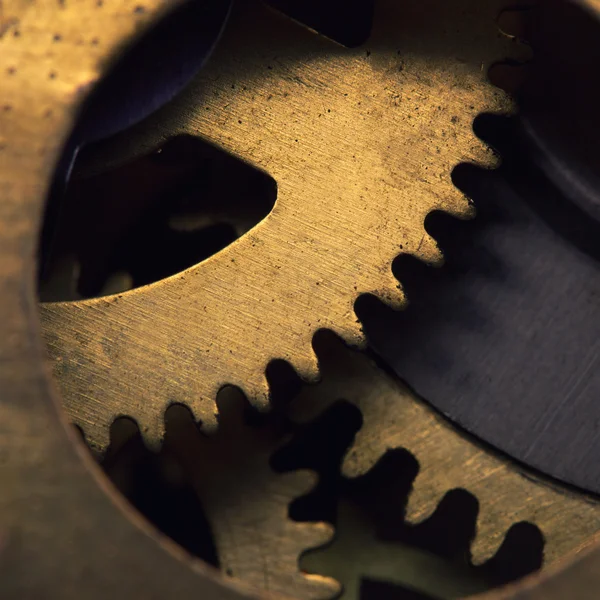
[
  {"x": 314, "y": 535},
  {"x": 392, "y": 294},
  {"x": 99, "y": 440},
  {"x": 102, "y": 440},
  {"x": 425, "y": 497},
  {"x": 299, "y": 482},
  {"x": 256, "y": 391},
  {"x": 350, "y": 330},
  {"x": 428, "y": 251},
  {"x": 356, "y": 464},
  {"x": 484, "y": 157},
  {"x": 326, "y": 588},
  {"x": 306, "y": 365},
  {"x": 456, "y": 203},
  {"x": 153, "y": 430},
  {"x": 488, "y": 539},
  {"x": 514, "y": 47}
]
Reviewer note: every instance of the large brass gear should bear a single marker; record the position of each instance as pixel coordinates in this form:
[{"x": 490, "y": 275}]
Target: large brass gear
[{"x": 285, "y": 100}]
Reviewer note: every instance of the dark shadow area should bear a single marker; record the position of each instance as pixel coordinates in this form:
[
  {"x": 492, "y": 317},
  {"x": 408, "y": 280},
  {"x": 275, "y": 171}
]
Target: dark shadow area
[
  {"x": 559, "y": 103},
  {"x": 496, "y": 337},
  {"x": 381, "y": 590},
  {"x": 535, "y": 184},
  {"x": 149, "y": 73},
  {"x": 152, "y": 218},
  {"x": 321, "y": 446},
  {"x": 347, "y": 22},
  {"x": 155, "y": 485}
]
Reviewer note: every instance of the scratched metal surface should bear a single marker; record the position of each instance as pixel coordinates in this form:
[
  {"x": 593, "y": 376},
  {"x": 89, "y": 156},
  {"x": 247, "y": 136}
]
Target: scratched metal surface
[
  {"x": 361, "y": 142},
  {"x": 505, "y": 338}
]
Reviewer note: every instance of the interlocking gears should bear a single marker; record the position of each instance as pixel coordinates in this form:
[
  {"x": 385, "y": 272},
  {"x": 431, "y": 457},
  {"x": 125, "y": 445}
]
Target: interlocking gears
[
  {"x": 394, "y": 418},
  {"x": 248, "y": 503},
  {"x": 362, "y": 144},
  {"x": 49, "y": 498}
]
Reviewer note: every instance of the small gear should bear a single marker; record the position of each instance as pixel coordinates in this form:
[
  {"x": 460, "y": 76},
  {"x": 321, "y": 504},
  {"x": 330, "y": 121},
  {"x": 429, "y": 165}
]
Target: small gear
[
  {"x": 246, "y": 502},
  {"x": 361, "y": 142}
]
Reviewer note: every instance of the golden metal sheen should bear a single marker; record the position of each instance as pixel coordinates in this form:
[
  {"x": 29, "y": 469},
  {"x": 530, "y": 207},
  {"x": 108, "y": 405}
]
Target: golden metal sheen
[
  {"x": 361, "y": 142},
  {"x": 63, "y": 532},
  {"x": 247, "y": 503}
]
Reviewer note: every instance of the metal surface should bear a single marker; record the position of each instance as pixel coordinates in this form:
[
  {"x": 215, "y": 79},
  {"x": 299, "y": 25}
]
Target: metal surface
[
  {"x": 350, "y": 198},
  {"x": 63, "y": 532},
  {"x": 504, "y": 339},
  {"x": 393, "y": 417},
  {"x": 247, "y": 503},
  {"x": 61, "y": 528}
]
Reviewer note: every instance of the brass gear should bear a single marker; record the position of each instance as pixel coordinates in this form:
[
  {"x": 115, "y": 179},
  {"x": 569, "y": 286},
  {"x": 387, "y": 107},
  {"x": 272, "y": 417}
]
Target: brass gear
[
  {"x": 361, "y": 142},
  {"x": 394, "y": 417},
  {"x": 247, "y": 502}
]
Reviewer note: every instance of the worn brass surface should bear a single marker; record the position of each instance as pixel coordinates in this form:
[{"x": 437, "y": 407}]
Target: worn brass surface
[
  {"x": 62, "y": 535},
  {"x": 394, "y": 418},
  {"x": 361, "y": 143},
  {"x": 247, "y": 503}
]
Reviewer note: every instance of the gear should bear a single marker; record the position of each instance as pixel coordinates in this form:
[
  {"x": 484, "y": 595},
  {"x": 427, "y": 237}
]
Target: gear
[
  {"x": 393, "y": 417},
  {"x": 496, "y": 340},
  {"x": 283, "y": 99},
  {"x": 357, "y": 555},
  {"x": 246, "y": 501},
  {"x": 49, "y": 496}
]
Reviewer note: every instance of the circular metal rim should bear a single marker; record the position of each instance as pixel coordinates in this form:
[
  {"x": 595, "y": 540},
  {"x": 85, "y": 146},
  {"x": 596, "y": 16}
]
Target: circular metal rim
[{"x": 62, "y": 526}]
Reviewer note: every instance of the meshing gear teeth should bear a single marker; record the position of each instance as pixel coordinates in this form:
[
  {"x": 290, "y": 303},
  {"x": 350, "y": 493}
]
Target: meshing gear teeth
[
  {"x": 356, "y": 554},
  {"x": 361, "y": 142},
  {"x": 394, "y": 418},
  {"x": 247, "y": 503}
]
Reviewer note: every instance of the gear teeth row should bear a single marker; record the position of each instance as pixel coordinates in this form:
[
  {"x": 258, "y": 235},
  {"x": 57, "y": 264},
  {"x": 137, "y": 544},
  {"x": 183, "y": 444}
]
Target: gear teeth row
[
  {"x": 347, "y": 206},
  {"x": 393, "y": 418},
  {"x": 246, "y": 502}
]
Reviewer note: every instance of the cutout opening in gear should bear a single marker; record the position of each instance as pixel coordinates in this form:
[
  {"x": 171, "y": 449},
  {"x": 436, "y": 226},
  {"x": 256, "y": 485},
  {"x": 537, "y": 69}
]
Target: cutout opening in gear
[{"x": 151, "y": 218}]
